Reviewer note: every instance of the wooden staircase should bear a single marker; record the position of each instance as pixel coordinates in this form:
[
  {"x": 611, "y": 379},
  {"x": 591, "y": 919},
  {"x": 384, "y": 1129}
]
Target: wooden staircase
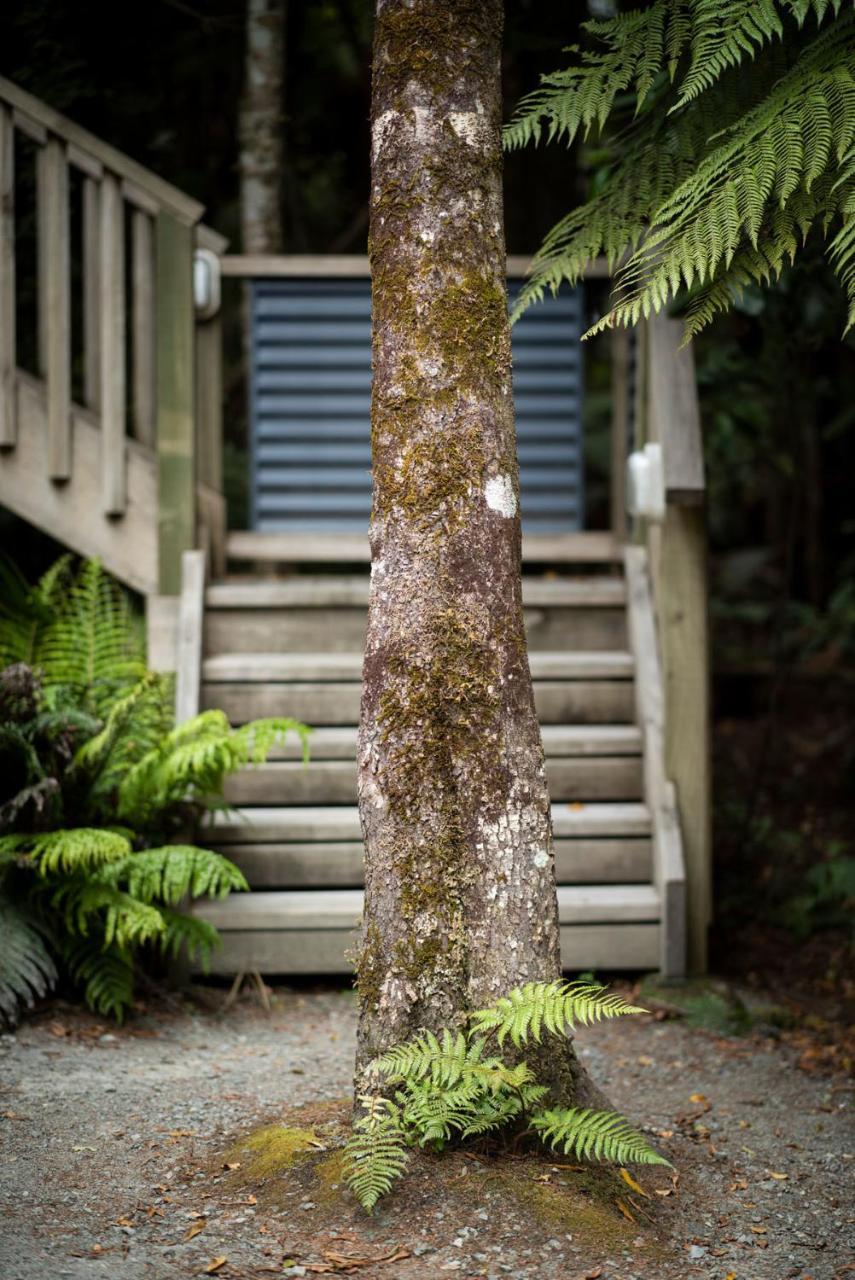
[{"x": 293, "y": 646}]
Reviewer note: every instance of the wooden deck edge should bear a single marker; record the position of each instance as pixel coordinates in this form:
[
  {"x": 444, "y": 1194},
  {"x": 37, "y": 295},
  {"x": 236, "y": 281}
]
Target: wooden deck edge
[
  {"x": 669, "y": 865},
  {"x": 593, "y": 547}
]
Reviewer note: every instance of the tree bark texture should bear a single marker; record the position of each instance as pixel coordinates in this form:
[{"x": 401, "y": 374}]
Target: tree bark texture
[
  {"x": 460, "y": 902},
  {"x": 261, "y": 128}
]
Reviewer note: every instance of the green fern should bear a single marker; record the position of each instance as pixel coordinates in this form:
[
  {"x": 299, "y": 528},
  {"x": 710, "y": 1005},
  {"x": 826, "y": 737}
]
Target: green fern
[
  {"x": 718, "y": 177},
  {"x": 594, "y": 1135},
  {"x": 174, "y": 872},
  {"x": 376, "y": 1154},
  {"x": 106, "y": 975},
  {"x": 27, "y": 970},
  {"x": 447, "y": 1087},
  {"x": 551, "y": 1006},
  {"x": 81, "y": 849}
]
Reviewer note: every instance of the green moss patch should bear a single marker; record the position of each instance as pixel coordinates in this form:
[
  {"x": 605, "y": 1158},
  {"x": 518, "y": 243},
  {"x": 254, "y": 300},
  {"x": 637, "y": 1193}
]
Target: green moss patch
[{"x": 273, "y": 1148}]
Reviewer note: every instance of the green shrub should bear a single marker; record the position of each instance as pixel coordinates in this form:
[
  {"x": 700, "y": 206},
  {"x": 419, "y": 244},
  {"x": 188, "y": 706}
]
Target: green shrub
[{"x": 98, "y": 789}]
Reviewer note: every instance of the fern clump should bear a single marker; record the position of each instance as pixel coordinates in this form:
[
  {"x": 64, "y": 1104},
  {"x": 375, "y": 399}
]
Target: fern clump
[
  {"x": 97, "y": 786},
  {"x": 714, "y": 177},
  {"x": 453, "y": 1086}
]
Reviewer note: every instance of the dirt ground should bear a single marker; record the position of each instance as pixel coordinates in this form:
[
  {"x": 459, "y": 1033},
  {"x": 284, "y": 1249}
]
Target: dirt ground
[{"x": 156, "y": 1151}]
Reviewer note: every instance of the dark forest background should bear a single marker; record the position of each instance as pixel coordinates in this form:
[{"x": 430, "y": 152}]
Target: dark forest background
[{"x": 162, "y": 81}]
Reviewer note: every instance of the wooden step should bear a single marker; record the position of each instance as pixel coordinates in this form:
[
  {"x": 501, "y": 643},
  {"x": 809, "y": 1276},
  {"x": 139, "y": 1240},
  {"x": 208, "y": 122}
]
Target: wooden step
[
  {"x": 302, "y": 668},
  {"x": 602, "y": 926},
  {"x": 338, "y": 864},
  {"x": 348, "y": 548},
  {"x": 267, "y": 824},
  {"x": 334, "y": 781},
  {"x": 339, "y": 743},
  {"x": 328, "y": 590}
]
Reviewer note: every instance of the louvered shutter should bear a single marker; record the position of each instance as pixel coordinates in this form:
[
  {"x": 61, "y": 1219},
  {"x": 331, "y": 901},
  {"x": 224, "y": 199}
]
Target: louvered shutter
[{"x": 310, "y": 396}]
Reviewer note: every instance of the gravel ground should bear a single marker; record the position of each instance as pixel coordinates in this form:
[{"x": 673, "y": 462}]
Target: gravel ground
[{"x": 116, "y": 1146}]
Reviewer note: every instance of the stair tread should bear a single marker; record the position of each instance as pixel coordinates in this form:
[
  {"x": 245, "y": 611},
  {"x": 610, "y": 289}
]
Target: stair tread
[
  {"x": 339, "y": 742},
  {"x": 287, "y": 668},
  {"x": 595, "y": 547},
  {"x": 341, "y": 822},
  {"x": 352, "y": 591},
  {"x": 342, "y": 908}
]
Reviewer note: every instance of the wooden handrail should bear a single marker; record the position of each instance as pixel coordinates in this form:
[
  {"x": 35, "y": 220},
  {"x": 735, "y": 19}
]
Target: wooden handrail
[
  {"x": 674, "y": 413},
  {"x": 140, "y": 186},
  {"x": 247, "y": 266}
]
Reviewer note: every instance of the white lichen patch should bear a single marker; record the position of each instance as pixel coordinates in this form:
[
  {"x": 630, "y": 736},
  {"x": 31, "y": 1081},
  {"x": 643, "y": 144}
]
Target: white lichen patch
[
  {"x": 541, "y": 858},
  {"x": 381, "y": 129},
  {"x": 468, "y": 126},
  {"x": 500, "y": 496}
]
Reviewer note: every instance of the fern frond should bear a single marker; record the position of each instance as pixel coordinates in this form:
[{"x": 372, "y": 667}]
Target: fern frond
[
  {"x": 106, "y": 974},
  {"x": 551, "y": 1006},
  {"x": 256, "y": 739},
  {"x": 27, "y": 971},
  {"x": 375, "y": 1155},
  {"x": 23, "y": 615},
  {"x": 91, "y": 904},
  {"x": 435, "y": 1112},
  {"x": 594, "y": 1135},
  {"x": 76, "y": 849},
  {"x": 190, "y": 934},
  {"x": 173, "y": 872}
]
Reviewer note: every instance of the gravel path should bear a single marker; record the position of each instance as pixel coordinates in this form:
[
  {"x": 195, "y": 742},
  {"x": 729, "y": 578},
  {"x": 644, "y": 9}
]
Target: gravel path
[{"x": 115, "y": 1142}]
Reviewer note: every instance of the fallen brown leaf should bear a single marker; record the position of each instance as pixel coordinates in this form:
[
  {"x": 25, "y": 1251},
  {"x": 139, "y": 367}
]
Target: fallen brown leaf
[
  {"x": 632, "y": 1184},
  {"x": 779, "y": 1177},
  {"x": 214, "y": 1265},
  {"x": 759, "y": 1231},
  {"x": 231, "y": 1164},
  {"x": 194, "y": 1229},
  {"x": 624, "y": 1208}
]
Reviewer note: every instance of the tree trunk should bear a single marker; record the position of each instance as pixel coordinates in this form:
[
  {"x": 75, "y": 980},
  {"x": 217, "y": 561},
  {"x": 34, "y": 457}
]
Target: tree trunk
[
  {"x": 261, "y": 128},
  {"x": 460, "y": 902}
]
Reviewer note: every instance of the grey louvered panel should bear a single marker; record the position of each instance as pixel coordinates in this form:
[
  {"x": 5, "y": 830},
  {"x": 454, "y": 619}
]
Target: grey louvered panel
[{"x": 310, "y": 407}]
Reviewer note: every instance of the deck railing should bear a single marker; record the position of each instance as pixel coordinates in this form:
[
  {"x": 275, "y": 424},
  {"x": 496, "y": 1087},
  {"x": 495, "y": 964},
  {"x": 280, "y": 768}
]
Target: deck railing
[{"x": 99, "y": 437}]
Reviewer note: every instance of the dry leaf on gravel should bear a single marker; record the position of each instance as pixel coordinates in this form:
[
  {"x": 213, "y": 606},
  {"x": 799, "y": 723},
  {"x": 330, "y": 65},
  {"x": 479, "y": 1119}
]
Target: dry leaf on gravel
[
  {"x": 214, "y": 1265},
  {"x": 194, "y": 1229},
  {"x": 632, "y": 1184}
]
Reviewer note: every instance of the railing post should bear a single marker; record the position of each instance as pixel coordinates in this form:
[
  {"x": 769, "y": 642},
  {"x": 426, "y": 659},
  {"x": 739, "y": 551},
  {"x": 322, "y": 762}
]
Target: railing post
[
  {"x": 111, "y": 280},
  {"x": 680, "y": 548},
  {"x": 91, "y": 294},
  {"x": 619, "y": 430},
  {"x": 142, "y": 255},
  {"x": 8, "y": 408},
  {"x": 175, "y": 416},
  {"x": 209, "y": 402},
  {"x": 55, "y": 298}
]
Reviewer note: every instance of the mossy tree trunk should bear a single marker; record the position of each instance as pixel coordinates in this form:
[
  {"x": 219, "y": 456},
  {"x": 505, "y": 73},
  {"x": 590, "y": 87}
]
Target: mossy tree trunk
[
  {"x": 261, "y": 127},
  {"x": 460, "y": 901}
]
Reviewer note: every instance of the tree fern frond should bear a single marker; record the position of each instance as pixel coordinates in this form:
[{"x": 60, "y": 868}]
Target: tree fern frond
[
  {"x": 27, "y": 971},
  {"x": 375, "y": 1155},
  {"x": 256, "y": 738},
  {"x": 106, "y": 974},
  {"x": 594, "y": 1135},
  {"x": 173, "y": 872},
  {"x": 23, "y": 615},
  {"x": 551, "y": 1006},
  {"x": 75, "y": 849},
  {"x": 93, "y": 904},
  {"x": 190, "y": 934}
]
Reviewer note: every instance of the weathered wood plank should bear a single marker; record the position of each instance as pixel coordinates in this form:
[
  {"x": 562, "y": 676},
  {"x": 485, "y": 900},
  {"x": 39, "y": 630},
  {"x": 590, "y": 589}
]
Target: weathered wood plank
[
  {"x": 596, "y": 946},
  {"x": 669, "y": 871},
  {"x": 161, "y": 632},
  {"x": 334, "y": 781},
  {"x": 683, "y": 629},
  {"x": 350, "y": 548},
  {"x": 55, "y": 295},
  {"x": 175, "y": 405},
  {"x": 111, "y": 280},
  {"x": 142, "y": 343},
  {"x": 339, "y": 863},
  {"x": 72, "y": 513},
  {"x": 342, "y": 629},
  {"x": 673, "y": 405},
  {"x": 301, "y": 667},
  {"x": 91, "y": 294},
  {"x": 619, "y": 442},
  {"x": 278, "y": 265},
  {"x": 319, "y": 590},
  {"x": 44, "y": 118},
  {"x": 337, "y": 702},
  {"x": 8, "y": 344},
  {"x": 278, "y": 823},
  {"x": 342, "y": 908},
  {"x": 189, "y": 652}
]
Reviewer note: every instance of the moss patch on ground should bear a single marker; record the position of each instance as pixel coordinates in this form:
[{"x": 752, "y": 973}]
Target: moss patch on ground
[{"x": 713, "y": 1005}]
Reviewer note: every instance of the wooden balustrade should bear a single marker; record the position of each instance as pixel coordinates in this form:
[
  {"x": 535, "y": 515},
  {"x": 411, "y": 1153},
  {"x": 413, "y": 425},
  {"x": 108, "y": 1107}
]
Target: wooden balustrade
[
  {"x": 104, "y": 456},
  {"x": 667, "y": 414}
]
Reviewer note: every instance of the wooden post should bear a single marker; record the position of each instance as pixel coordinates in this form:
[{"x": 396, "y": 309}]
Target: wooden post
[
  {"x": 175, "y": 376},
  {"x": 619, "y": 430},
  {"x": 91, "y": 294},
  {"x": 685, "y": 661},
  {"x": 8, "y": 355},
  {"x": 143, "y": 328},
  {"x": 55, "y": 295},
  {"x": 112, "y": 291},
  {"x": 191, "y": 611}
]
